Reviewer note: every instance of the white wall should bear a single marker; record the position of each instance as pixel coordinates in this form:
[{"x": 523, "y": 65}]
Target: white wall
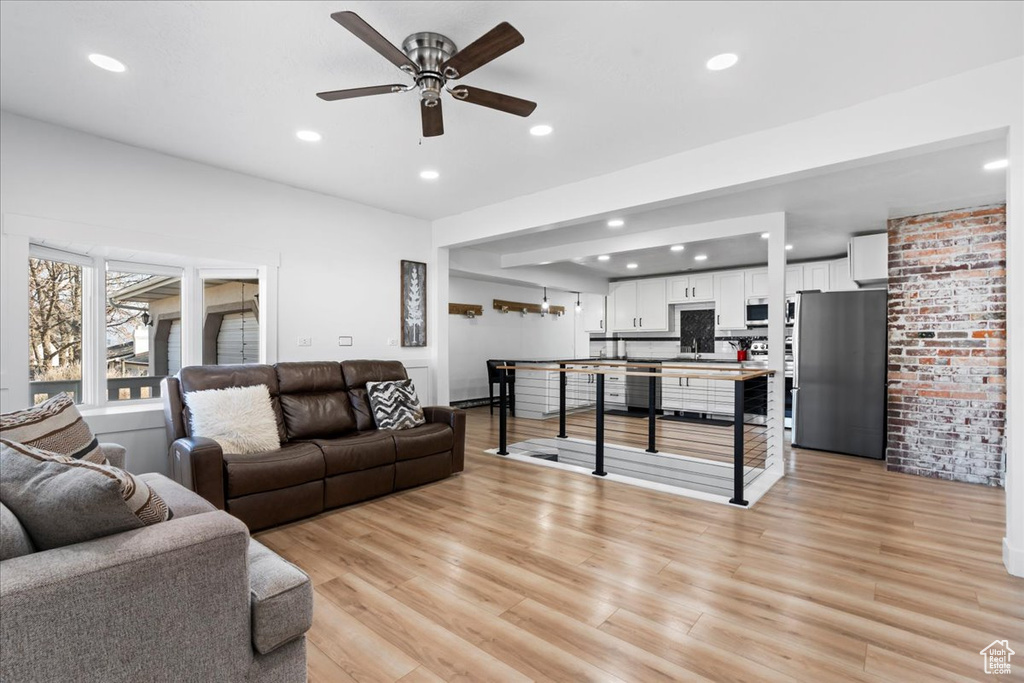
[
  {"x": 506, "y": 335},
  {"x": 339, "y": 260}
]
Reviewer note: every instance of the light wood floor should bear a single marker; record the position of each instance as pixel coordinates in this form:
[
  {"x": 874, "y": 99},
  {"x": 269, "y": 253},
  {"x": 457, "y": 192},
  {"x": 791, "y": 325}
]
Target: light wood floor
[{"x": 511, "y": 572}]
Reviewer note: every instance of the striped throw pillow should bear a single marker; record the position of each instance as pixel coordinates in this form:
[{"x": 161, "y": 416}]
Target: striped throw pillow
[
  {"x": 56, "y": 426},
  {"x": 62, "y": 500},
  {"x": 395, "y": 404}
]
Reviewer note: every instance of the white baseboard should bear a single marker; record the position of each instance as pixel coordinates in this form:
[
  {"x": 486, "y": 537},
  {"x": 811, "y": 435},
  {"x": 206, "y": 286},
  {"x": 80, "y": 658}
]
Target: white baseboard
[{"x": 1013, "y": 558}]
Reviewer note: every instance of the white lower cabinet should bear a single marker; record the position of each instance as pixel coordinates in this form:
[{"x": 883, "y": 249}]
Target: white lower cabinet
[
  {"x": 615, "y": 391},
  {"x": 694, "y": 395}
]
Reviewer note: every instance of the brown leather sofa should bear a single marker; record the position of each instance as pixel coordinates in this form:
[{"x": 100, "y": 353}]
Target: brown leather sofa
[{"x": 331, "y": 452}]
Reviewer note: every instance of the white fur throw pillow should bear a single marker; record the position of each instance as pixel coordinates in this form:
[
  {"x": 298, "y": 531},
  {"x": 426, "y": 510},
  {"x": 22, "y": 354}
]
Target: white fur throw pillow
[{"x": 240, "y": 419}]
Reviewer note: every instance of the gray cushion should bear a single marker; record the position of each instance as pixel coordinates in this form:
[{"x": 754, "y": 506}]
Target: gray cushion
[
  {"x": 282, "y": 599},
  {"x": 178, "y": 498},
  {"x": 61, "y": 501},
  {"x": 14, "y": 540}
]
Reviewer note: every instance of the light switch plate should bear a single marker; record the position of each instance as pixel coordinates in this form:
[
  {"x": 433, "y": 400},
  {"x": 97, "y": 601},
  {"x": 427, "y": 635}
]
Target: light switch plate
[
  {"x": 344, "y": 341},
  {"x": 305, "y": 341}
]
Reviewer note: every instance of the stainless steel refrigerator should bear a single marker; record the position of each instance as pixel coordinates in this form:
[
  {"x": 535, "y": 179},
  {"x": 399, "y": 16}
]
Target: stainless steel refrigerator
[{"x": 839, "y": 372}]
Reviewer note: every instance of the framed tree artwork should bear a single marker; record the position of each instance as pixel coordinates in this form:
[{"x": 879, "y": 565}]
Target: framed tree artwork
[{"x": 414, "y": 303}]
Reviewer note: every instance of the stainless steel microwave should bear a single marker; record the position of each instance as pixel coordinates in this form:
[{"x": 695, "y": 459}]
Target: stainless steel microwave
[{"x": 757, "y": 311}]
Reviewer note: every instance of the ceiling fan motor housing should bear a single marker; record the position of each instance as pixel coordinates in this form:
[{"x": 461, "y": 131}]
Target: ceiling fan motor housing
[{"x": 428, "y": 51}]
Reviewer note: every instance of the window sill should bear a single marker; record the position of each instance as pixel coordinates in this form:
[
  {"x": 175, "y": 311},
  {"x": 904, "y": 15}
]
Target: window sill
[{"x": 143, "y": 406}]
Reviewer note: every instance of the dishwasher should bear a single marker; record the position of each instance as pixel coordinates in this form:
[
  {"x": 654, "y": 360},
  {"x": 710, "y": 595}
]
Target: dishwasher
[{"x": 637, "y": 390}]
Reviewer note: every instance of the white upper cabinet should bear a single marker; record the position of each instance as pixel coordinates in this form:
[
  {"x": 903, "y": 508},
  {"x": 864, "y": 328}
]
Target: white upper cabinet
[
  {"x": 593, "y": 312},
  {"x": 794, "y": 279},
  {"x": 816, "y": 276},
  {"x": 730, "y": 303},
  {"x": 652, "y": 305},
  {"x": 869, "y": 258},
  {"x": 684, "y": 289},
  {"x": 638, "y": 305},
  {"x": 757, "y": 282},
  {"x": 839, "y": 276},
  {"x": 622, "y": 302}
]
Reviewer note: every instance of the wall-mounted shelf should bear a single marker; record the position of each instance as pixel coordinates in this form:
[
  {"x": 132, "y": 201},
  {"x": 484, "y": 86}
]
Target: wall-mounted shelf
[
  {"x": 469, "y": 310},
  {"x": 520, "y": 307}
]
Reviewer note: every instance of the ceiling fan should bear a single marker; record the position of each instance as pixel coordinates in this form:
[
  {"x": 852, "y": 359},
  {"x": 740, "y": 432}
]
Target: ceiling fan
[{"x": 432, "y": 60}]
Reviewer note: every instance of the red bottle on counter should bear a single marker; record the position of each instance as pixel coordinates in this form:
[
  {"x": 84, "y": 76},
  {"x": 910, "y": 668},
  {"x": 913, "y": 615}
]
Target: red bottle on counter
[{"x": 741, "y": 354}]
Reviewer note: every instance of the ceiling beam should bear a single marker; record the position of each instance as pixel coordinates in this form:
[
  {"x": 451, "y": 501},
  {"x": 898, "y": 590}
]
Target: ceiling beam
[{"x": 729, "y": 227}]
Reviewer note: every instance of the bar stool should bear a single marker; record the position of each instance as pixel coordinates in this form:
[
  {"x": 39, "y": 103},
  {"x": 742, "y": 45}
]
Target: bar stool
[{"x": 494, "y": 377}]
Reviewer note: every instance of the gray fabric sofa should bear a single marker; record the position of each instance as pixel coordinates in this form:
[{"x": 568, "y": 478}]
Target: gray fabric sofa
[{"x": 190, "y": 599}]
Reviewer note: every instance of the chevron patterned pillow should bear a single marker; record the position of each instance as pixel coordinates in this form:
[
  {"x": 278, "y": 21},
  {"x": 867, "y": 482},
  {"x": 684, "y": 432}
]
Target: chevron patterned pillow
[{"x": 395, "y": 405}]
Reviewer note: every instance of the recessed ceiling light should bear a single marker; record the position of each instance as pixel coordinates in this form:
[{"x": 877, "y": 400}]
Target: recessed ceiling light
[
  {"x": 541, "y": 130},
  {"x": 677, "y": 247},
  {"x": 996, "y": 165},
  {"x": 603, "y": 257},
  {"x": 616, "y": 223},
  {"x": 429, "y": 174},
  {"x": 700, "y": 257},
  {"x": 765, "y": 235},
  {"x": 308, "y": 136},
  {"x": 545, "y": 263},
  {"x": 107, "y": 63},
  {"x": 631, "y": 266},
  {"x": 789, "y": 247},
  {"x": 722, "y": 61}
]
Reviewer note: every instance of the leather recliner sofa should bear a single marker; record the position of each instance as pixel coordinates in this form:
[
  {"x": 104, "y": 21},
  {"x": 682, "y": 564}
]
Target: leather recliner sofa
[{"x": 331, "y": 452}]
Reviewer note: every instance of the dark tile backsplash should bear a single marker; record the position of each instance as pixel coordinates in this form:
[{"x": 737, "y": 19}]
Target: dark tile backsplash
[{"x": 699, "y": 325}]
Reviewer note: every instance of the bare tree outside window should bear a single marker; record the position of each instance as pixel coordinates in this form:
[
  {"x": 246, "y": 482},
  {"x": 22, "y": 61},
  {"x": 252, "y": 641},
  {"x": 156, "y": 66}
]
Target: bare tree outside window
[{"x": 55, "y": 327}]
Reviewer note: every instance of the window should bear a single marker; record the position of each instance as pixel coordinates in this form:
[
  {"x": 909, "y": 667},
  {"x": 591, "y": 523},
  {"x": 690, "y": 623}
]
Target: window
[
  {"x": 143, "y": 332},
  {"x": 107, "y": 331},
  {"x": 231, "y": 321},
  {"x": 55, "y": 328}
]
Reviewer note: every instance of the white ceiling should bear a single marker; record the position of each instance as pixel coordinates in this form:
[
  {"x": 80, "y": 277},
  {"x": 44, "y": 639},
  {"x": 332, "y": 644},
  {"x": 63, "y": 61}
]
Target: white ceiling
[
  {"x": 822, "y": 212},
  {"x": 228, "y": 83}
]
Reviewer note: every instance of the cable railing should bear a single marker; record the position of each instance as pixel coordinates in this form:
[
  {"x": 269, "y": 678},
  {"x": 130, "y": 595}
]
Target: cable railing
[{"x": 706, "y": 429}]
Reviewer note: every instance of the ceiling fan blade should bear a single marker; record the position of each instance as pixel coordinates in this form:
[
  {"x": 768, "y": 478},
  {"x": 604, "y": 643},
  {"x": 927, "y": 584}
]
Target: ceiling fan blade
[
  {"x": 332, "y": 95},
  {"x": 433, "y": 121},
  {"x": 494, "y": 100},
  {"x": 486, "y": 48},
  {"x": 366, "y": 33}
]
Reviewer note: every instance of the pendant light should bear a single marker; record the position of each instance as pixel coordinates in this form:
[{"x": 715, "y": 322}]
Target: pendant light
[
  {"x": 579, "y": 306},
  {"x": 544, "y": 304}
]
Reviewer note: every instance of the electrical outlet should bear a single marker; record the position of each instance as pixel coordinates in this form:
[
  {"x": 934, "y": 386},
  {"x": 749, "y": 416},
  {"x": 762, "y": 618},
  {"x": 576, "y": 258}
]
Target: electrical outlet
[
  {"x": 305, "y": 341},
  {"x": 344, "y": 341},
  {"x": 392, "y": 341}
]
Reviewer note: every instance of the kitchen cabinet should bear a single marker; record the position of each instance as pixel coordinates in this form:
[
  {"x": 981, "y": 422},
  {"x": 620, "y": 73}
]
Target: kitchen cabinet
[
  {"x": 839, "y": 276},
  {"x": 614, "y": 390},
  {"x": 816, "y": 276},
  {"x": 691, "y": 288},
  {"x": 869, "y": 258},
  {"x": 730, "y": 303},
  {"x": 692, "y": 395},
  {"x": 593, "y": 313},
  {"x": 622, "y": 301},
  {"x": 757, "y": 281},
  {"x": 639, "y": 305}
]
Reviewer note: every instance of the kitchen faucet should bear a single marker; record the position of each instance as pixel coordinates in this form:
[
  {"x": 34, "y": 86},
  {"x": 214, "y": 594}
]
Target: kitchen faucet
[{"x": 696, "y": 356}]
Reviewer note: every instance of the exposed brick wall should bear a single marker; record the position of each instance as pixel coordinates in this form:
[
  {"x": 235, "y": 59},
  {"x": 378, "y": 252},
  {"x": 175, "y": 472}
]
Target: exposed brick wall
[{"x": 947, "y": 395}]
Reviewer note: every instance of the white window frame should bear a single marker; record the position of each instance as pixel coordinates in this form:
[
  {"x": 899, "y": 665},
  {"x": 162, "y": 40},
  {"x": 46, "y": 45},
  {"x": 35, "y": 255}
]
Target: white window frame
[{"x": 94, "y": 312}]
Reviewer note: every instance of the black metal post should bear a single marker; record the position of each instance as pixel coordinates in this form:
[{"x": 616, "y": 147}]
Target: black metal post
[
  {"x": 737, "y": 447},
  {"x": 599, "y": 436},
  {"x": 563, "y": 378},
  {"x": 651, "y": 417},
  {"x": 511, "y": 389},
  {"x": 502, "y": 416}
]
